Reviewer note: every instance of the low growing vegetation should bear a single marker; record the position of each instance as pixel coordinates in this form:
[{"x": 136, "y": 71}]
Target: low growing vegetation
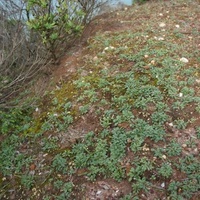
[{"x": 129, "y": 114}]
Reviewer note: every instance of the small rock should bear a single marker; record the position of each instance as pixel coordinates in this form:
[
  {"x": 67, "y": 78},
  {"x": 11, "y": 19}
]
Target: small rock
[
  {"x": 184, "y": 145},
  {"x": 32, "y": 167},
  {"x": 163, "y": 185},
  {"x": 95, "y": 58},
  {"x": 164, "y": 156},
  {"x": 162, "y": 24},
  {"x": 160, "y": 38},
  {"x": 105, "y": 187},
  {"x": 146, "y": 67},
  {"x": 108, "y": 48},
  {"x": 177, "y": 26},
  {"x": 184, "y": 60},
  {"x": 180, "y": 94},
  {"x": 99, "y": 192},
  {"x": 32, "y": 172}
]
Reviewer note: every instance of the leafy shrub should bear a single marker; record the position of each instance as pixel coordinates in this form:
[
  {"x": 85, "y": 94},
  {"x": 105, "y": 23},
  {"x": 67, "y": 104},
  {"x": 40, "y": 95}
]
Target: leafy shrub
[
  {"x": 14, "y": 120},
  {"x": 55, "y": 24}
]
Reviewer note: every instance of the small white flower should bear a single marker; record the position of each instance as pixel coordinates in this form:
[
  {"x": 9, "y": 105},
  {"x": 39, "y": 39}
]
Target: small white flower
[
  {"x": 180, "y": 94},
  {"x": 161, "y": 14},
  {"x": 171, "y": 124},
  {"x": 177, "y": 26},
  {"x": 185, "y": 60},
  {"x": 164, "y": 156},
  {"x": 146, "y": 56},
  {"x": 37, "y": 109},
  {"x": 162, "y": 24},
  {"x": 55, "y": 114}
]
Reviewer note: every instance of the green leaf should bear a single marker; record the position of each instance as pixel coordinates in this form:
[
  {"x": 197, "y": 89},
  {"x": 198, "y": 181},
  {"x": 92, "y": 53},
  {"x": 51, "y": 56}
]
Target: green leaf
[
  {"x": 49, "y": 25},
  {"x": 54, "y": 36}
]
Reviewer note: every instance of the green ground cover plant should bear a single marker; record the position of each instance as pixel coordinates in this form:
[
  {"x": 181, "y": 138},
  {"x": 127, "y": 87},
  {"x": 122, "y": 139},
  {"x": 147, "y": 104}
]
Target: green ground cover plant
[{"x": 130, "y": 113}]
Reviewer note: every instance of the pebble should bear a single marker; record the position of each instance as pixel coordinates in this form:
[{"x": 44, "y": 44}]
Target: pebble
[
  {"x": 163, "y": 185},
  {"x": 184, "y": 145},
  {"x": 95, "y": 58},
  {"x": 162, "y": 24},
  {"x": 180, "y": 94},
  {"x": 99, "y": 192},
  {"x": 184, "y": 60}
]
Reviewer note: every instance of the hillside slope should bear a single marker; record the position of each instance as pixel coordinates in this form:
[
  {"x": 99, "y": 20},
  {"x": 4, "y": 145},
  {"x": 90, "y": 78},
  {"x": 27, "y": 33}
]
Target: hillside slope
[{"x": 121, "y": 118}]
